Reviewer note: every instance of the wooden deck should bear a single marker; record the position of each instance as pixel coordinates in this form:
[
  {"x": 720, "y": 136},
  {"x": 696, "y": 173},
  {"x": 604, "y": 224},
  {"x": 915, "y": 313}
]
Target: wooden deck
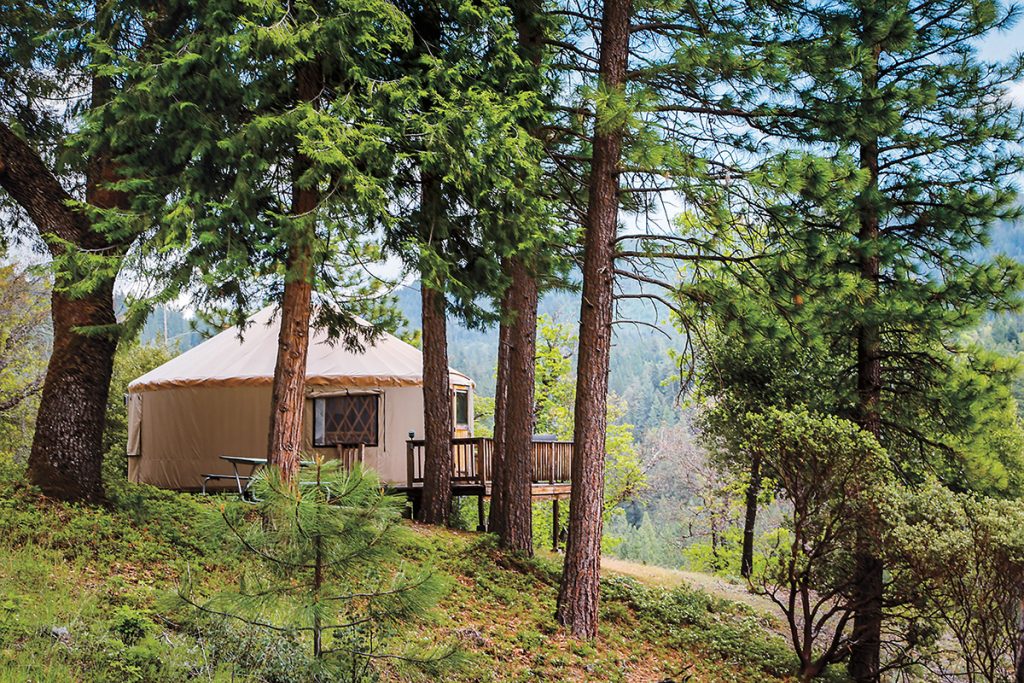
[
  {"x": 472, "y": 467},
  {"x": 472, "y": 474}
]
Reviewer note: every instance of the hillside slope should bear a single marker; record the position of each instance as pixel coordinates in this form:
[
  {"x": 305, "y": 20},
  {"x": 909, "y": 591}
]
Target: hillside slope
[{"x": 82, "y": 593}]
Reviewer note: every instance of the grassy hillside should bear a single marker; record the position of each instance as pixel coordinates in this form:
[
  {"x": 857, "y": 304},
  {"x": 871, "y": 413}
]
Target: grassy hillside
[{"x": 84, "y": 595}]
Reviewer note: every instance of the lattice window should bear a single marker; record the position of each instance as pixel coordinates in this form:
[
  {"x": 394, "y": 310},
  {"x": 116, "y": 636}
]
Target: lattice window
[{"x": 346, "y": 420}]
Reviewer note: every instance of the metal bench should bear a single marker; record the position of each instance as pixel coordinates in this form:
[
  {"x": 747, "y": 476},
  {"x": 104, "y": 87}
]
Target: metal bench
[{"x": 207, "y": 478}]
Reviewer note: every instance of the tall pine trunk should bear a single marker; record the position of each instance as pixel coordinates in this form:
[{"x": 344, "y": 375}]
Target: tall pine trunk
[
  {"x": 579, "y": 593},
  {"x": 437, "y": 410},
  {"x": 437, "y": 399},
  {"x": 496, "y": 523},
  {"x": 750, "y": 518},
  {"x": 865, "y": 653},
  {"x": 288, "y": 395},
  {"x": 518, "y": 343},
  {"x": 289, "y": 388},
  {"x": 516, "y": 532}
]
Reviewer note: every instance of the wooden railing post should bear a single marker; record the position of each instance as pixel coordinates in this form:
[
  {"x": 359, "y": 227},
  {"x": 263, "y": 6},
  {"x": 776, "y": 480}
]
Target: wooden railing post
[{"x": 479, "y": 455}]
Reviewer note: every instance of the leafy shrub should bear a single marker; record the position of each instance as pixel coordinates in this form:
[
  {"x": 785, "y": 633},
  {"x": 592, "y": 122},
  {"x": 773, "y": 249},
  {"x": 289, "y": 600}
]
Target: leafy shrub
[
  {"x": 130, "y": 625},
  {"x": 724, "y": 629}
]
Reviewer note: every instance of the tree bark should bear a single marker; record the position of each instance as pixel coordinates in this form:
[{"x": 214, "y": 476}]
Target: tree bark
[
  {"x": 512, "y": 485},
  {"x": 579, "y": 592},
  {"x": 1018, "y": 651},
  {"x": 289, "y": 389},
  {"x": 750, "y": 519},
  {"x": 437, "y": 410},
  {"x": 868, "y": 584},
  {"x": 517, "y": 514},
  {"x": 67, "y": 453},
  {"x": 496, "y": 522},
  {"x": 67, "y": 448},
  {"x": 288, "y": 395}
]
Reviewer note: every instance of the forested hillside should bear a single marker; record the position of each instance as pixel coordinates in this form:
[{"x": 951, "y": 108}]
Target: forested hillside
[{"x": 741, "y": 285}]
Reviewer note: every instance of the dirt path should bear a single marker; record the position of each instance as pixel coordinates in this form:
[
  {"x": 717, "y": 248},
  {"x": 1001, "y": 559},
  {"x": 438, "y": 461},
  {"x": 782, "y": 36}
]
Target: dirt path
[{"x": 734, "y": 590}]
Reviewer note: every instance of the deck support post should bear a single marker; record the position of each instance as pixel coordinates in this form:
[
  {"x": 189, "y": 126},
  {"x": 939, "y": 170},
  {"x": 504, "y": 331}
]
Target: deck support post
[
  {"x": 554, "y": 524},
  {"x": 481, "y": 522},
  {"x": 410, "y": 461}
]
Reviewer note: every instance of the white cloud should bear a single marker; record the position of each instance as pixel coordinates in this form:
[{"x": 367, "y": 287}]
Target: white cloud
[{"x": 1017, "y": 93}]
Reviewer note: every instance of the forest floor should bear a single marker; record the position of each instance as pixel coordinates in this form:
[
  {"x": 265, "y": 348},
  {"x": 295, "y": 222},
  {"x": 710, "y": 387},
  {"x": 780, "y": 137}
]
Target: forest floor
[
  {"x": 83, "y": 589},
  {"x": 733, "y": 589}
]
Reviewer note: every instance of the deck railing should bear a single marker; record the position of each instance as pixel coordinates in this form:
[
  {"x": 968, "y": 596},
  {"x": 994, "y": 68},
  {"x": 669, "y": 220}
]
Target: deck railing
[{"x": 472, "y": 461}]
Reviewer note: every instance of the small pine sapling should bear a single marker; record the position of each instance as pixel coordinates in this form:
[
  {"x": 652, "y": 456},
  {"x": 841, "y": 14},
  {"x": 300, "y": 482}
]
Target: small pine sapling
[{"x": 327, "y": 571}]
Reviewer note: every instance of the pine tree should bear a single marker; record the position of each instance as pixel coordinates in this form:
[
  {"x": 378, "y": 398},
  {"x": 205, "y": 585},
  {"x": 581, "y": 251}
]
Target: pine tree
[
  {"x": 327, "y": 568},
  {"x": 528, "y": 263},
  {"x": 900, "y": 89},
  {"x": 579, "y": 593},
  {"x": 468, "y": 163}
]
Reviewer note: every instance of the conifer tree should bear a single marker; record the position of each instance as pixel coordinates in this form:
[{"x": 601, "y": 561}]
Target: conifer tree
[
  {"x": 274, "y": 186},
  {"x": 466, "y": 162},
  {"x": 900, "y": 89},
  {"x": 642, "y": 146},
  {"x": 326, "y": 568},
  {"x": 579, "y": 590},
  {"x": 528, "y": 263}
]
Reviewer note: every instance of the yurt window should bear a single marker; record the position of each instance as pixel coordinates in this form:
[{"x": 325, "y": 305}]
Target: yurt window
[
  {"x": 346, "y": 420},
  {"x": 462, "y": 408}
]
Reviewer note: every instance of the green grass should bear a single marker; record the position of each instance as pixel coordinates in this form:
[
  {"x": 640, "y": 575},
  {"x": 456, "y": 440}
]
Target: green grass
[{"x": 105, "y": 574}]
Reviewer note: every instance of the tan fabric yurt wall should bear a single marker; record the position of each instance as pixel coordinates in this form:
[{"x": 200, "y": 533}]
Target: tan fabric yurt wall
[
  {"x": 214, "y": 400},
  {"x": 185, "y": 431}
]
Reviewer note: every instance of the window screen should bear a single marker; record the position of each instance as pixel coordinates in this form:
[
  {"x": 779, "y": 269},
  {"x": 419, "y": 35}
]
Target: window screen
[
  {"x": 346, "y": 420},
  {"x": 462, "y": 407}
]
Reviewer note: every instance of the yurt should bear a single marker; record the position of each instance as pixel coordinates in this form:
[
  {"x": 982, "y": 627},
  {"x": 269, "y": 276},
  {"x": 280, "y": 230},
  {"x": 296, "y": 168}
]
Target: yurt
[{"x": 214, "y": 400}]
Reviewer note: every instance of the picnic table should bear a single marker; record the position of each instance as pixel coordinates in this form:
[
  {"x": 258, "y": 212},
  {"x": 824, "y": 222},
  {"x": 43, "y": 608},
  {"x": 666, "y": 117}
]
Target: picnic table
[{"x": 239, "y": 477}]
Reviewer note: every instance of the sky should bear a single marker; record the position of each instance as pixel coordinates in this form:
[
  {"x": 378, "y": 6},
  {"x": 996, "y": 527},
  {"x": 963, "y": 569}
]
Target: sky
[{"x": 1003, "y": 46}]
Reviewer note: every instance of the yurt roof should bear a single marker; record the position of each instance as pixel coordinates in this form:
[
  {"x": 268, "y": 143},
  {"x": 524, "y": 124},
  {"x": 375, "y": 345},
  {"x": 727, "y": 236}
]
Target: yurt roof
[{"x": 227, "y": 360}]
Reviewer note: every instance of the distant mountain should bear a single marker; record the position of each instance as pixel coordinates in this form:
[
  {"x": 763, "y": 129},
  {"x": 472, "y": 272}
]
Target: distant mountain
[{"x": 1008, "y": 239}]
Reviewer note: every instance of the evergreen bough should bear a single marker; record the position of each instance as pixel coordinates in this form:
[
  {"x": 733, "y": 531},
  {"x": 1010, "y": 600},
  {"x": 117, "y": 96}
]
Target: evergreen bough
[{"x": 326, "y": 571}]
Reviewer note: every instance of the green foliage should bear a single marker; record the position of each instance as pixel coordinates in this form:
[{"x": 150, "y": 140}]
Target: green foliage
[
  {"x": 554, "y": 379},
  {"x": 130, "y": 625},
  {"x": 555, "y": 392},
  {"x": 694, "y": 618},
  {"x": 24, "y": 347},
  {"x": 960, "y": 563},
  {"x": 216, "y": 188},
  {"x": 326, "y": 570},
  {"x": 127, "y": 590},
  {"x": 649, "y": 543},
  {"x": 829, "y": 471},
  {"x": 463, "y": 116}
]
